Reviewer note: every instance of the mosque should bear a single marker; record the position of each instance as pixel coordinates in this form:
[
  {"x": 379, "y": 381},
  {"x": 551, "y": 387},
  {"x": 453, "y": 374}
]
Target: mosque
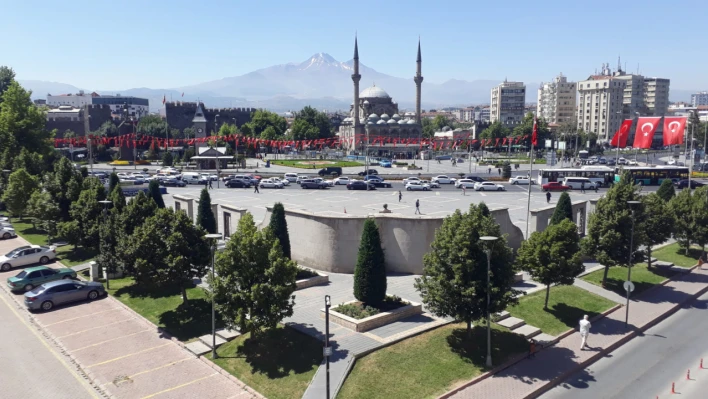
[{"x": 375, "y": 115}]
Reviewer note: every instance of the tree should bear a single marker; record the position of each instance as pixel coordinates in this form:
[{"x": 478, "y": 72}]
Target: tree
[
  {"x": 269, "y": 134},
  {"x": 108, "y": 243},
  {"x": 552, "y": 256},
  {"x": 526, "y": 128},
  {"x": 64, "y": 185},
  {"x": 610, "y": 226},
  {"x": 495, "y": 131},
  {"x": 658, "y": 222},
  {"x": 167, "y": 250},
  {"x": 454, "y": 281},
  {"x": 139, "y": 209},
  {"x": 167, "y": 159},
  {"x": 666, "y": 191},
  {"x": 699, "y": 215},
  {"x": 302, "y": 130},
  {"x": 113, "y": 182},
  {"x": 117, "y": 199},
  {"x": 107, "y": 129},
  {"x": 43, "y": 212},
  {"x": 564, "y": 209},
  {"x": 279, "y": 226},
  {"x": 29, "y": 161},
  {"x": 227, "y": 129},
  {"x": 261, "y": 119},
  {"x": 205, "y": 215},
  {"x": 7, "y": 76},
  {"x": 316, "y": 119},
  {"x": 156, "y": 194},
  {"x": 506, "y": 170},
  {"x": 87, "y": 211},
  {"x": 70, "y": 231},
  {"x": 681, "y": 207},
  {"x": 254, "y": 281},
  {"x": 370, "y": 269},
  {"x": 20, "y": 187},
  {"x": 430, "y": 126}
]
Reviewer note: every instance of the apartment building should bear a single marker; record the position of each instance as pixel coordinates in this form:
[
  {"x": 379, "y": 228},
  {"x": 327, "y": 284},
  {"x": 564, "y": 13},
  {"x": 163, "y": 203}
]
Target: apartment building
[
  {"x": 699, "y": 98},
  {"x": 557, "y": 100},
  {"x": 508, "y": 101},
  {"x": 656, "y": 96},
  {"x": 601, "y": 103}
]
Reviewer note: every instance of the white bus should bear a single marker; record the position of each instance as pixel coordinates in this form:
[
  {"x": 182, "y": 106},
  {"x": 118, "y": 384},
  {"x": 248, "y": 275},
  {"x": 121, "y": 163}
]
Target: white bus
[{"x": 601, "y": 174}]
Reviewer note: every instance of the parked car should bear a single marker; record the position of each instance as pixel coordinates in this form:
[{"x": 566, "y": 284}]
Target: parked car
[
  {"x": 684, "y": 183},
  {"x": 373, "y": 178},
  {"x": 602, "y": 161},
  {"x": 518, "y": 180},
  {"x": 300, "y": 178},
  {"x": 555, "y": 186},
  {"x": 360, "y": 185},
  {"x": 237, "y": 183},
  {"x": 577, "y": 183},
  {"x": 48, "y": 295},
  {"x": 467, "y": 183},
  {"x": 282, "y": 181},
  {"x": 172, "y": 182},
  {"x": 443, "y": 157},
  {"x": 385, "y": 163},
  {"x": 633, "y": 162},
  {"x": 410, "y": 179},
  {"x": 330, "y": 170},
  {"x": 328, "y": 183},
  {"x": 380, "y": 183},
  {"x": 417, "y": 186},
  {"x": 270, "y": 183},
  {"x": 7, "y": 232},
  {"x": 27, "y": 255},
  {"x": 32, "y": 277},
  {"x": 291, "y": 177},
  {"x": 341, "y": 180},
  {"x": 442, "y": 179},
  {"x": 432, "y": 184},
  {"x": 312, "y": 183},
  {"x": 475, "y": 179},
  {"x": 611, "y": 162},
  {"x": 370, "y": 171},
  {"x": 489, "y": 186},
  {"x": 621, "y": 161}
]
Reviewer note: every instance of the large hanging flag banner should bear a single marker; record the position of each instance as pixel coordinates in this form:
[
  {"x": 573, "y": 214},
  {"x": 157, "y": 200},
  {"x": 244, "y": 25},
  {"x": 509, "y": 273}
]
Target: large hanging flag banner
[
  {"x": 534, "y": 135},
  {"x": 622, "y": 134},
  {"x": 673, "y": 129},
  {"x": 644, "y": 133}
]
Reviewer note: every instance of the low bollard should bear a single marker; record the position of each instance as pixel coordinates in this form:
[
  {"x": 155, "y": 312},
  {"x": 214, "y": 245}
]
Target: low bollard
[{"x": 688, "y": 374}]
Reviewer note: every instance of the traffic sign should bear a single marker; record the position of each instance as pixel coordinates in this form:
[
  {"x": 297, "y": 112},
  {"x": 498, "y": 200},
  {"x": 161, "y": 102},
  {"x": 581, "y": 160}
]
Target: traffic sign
[
  {"x": 628, "y": 286},
  {"x": 327, "y": 351}
]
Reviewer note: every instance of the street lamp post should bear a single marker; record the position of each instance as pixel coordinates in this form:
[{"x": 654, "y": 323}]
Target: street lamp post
[
  {"x": 213, "y": 238},
  {"x": 490, "y": 240},
  {"x": 690, "y": 154},
  {"x": 327, "y": 350},
  {"x": 633, "y": 205},
  {"x": 105, "y": 216}
]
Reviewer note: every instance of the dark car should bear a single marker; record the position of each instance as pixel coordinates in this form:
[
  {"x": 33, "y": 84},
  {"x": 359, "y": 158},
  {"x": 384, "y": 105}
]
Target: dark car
[
  {"x": 443, "y": 157},
  {"x": 694, "y": 184},
  {"x": 172, "y": 182},
  {"x": 380, "y": 183},
  {"x": 360, "y": 185},
  {"x": 476, "y": 179},
  {"x": 312, "y": 183},
  {"x": 330, "y": 170},
  {"x": 371, "y": 172},
  {"x": 237, "y": 183},
  {"x": 611, "y": 162}
]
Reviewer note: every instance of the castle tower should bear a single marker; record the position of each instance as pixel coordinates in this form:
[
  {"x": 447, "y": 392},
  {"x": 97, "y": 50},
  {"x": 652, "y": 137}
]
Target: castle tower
[
  {"x": 356, "y": 77},
  {"x": 418, "y": 79},
  {"x": 199, "y": 122}
]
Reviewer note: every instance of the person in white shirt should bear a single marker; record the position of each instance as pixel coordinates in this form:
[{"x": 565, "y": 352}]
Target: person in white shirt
[{"x": 584, "y": 331}]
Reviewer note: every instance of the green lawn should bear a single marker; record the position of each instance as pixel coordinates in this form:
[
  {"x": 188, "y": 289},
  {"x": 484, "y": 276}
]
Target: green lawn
[
  {"x": 677, "y": 255},
  {"x": 566, "y": 305},
  {"x": 429, "y": 364},
  {"x": 67, "y": 254},
  {"x": 642, "y": 277},
  {"x": 318, "y": 163},
  {"x": 165, "y": 308},
  {"x": 279, "y": 365}
]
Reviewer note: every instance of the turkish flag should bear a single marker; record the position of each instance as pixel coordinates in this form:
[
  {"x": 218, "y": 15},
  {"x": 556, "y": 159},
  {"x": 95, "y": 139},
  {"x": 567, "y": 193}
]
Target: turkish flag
[
  {"x": 621, "y": 136},
  {"x": 534, "y": 136},
  {"x": 644, "y": 133},
  {"x": 673, "y": 130}
]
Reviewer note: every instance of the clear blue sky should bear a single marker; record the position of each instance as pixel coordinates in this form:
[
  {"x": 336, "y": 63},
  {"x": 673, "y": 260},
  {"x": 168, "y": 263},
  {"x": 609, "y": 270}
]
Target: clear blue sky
[{"x": 170, "y": 43}]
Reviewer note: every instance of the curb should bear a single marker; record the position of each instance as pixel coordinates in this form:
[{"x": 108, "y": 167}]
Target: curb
[{"x": 225, "y": 373}]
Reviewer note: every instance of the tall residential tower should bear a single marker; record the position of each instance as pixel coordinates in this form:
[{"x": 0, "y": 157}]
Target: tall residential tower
[{"x": 556, "y": 100}]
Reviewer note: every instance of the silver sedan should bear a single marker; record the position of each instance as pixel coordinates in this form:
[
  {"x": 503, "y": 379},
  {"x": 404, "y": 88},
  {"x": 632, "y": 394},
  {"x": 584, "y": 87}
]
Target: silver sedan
[{"x": 49, "y": 295}]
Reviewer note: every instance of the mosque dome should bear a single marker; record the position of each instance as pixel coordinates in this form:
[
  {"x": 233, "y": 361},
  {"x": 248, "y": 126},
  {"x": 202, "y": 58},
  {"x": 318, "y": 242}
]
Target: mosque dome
[
  {"x": 396, "y": 116},
  {"x": 373, "y": 117},
  {"x": 392, "y": 122},
  {"x": 403, "y": 121},
  {"x": 370, "y": 123},
  {"x": 366, "y": 102},
  {"x": 374, "y": 92},
  {"x": 411, "y": 122},
  {"x": 385, "y": 117},
  {"x": 381, "y": 122}
]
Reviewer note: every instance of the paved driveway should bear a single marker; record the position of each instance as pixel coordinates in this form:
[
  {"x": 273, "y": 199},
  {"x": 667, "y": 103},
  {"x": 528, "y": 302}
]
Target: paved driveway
[{"x": 123, "y": 353}]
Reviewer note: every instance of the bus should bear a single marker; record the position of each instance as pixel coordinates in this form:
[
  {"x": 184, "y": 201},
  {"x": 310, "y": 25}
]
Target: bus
[
  {"x": 654, "y": 175},
  {"x": 601, "y": 174}
]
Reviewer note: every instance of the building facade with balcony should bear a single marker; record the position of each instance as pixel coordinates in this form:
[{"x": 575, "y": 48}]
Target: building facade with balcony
[
  {"x": 600, "y": 104},
  {"x": 508, "y": 101},
  {"x": 699, "y": 98},
  {"x": 557, "y": 100}
]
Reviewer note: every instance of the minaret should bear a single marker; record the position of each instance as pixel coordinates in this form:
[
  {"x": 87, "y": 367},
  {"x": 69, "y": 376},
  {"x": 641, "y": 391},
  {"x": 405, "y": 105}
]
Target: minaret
[
  {"x": 418, "y": 79},
  {"x": 356, "y": 77}
]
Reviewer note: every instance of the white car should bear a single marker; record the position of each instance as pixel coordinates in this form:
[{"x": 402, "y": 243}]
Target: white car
[
  {"x": 632, "y": 162},
  {"x": 442, "y": 179},
  {"x": 466, "y": 183},
  {"x": 341, "y": 181},
  {"x": 283, "y": 181},
  {"x": 7, "y": 231},
  {"x": 291, "y": 177},
  {"x": 432, "y": 184},
  {"x": 300, "y": 178},
  {"x": 671, "y": 162},
  {"x": 417, "y": 186},
  {"x": 27, "y": 255},
  {"x": 488, "y": 186},
  {"x": 411, "y": 179},
  {"x": 520, "y": 180},
  {"x": 270, "y": 183}
]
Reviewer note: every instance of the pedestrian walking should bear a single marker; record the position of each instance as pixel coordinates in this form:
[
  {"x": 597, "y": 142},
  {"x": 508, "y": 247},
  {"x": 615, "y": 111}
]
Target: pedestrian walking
[
  {"x": 489, "y": 171},
  {"x": 582, "y": 187},
  {"x": 417, "y": 207},
  {"x": 255, "y": 188},
  {"x": 584, "y": 331},
  {"x": 548, "y": 197},
  {"x": 400, "y": 196},
  {"x": 532, "y": 348},
  {"x": 499, "y": 170},
  {"x": 464, "y": 190},
  {"x": 210, "y": 187}
]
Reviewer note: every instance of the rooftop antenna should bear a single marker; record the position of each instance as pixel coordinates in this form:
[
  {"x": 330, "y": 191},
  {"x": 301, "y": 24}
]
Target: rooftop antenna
[{"x": 619, "y": 63}]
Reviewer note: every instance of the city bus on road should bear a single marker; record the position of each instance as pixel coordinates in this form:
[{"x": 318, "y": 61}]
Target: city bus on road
[
  {"x": 653, "y": 176},
  {"x": 600, "y": 174}
]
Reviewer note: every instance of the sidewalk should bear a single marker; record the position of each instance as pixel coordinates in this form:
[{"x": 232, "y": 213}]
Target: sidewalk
[{"x": 530, "y": 378}]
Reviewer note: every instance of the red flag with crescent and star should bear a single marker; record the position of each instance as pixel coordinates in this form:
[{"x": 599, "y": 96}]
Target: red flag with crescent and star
[
  {"x": 622, "y": 134},
  {"x": 534, "y": 136},
  {"x": 644, "y": 133},
  {"x": 673, "y": 129}
]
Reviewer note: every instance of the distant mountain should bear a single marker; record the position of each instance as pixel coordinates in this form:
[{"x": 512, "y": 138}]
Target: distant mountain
[{"x": 320, "y": 81}]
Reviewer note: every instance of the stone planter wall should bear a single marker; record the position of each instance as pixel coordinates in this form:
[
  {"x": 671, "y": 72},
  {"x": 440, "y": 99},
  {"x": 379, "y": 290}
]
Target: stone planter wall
[
  {"x": 374, "y": 321},
  {"x": 320, "y": 279}
]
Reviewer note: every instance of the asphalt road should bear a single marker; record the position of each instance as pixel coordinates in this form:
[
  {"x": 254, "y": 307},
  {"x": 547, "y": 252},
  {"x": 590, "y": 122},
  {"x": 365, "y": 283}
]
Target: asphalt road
[
  {"x": 645, "y": 367},
  {"x": 31, "y": 366}
]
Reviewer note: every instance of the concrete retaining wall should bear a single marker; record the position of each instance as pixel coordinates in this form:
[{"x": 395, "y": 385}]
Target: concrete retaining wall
[
  {"x": 230, "y": 216},
  {"x": 542, "y": 216}
]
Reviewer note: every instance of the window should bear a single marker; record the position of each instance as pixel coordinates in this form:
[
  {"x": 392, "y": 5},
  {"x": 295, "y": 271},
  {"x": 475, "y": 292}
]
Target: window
[
  {"x": 34, "y": 274},
  {"x": 48, "y": 272}
]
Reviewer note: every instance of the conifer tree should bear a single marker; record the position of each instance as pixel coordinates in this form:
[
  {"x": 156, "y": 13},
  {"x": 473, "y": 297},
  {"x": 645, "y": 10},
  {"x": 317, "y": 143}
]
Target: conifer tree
[
  {"x": 370, "y": 271},
  {"x": 155, "y": 193},
  {"x": 279, "y": 227},
  {"x": 666, "y": 191},
  {"x": 205, "y": 216},
  {"x": 564, "y": 209}
]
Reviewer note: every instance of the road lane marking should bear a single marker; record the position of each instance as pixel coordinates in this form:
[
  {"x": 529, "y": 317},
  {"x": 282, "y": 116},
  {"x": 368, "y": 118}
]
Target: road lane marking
[
  {"x": 112, "y": 339},
  {"x": 49, "y": 348},
  {"x": 178, "y": 386},
  {"x": 129, "y": 355},
  {"x": 130, "y": 377},
  {"x": 94, "y": 328},
  {"x": 79, "y": 317}
]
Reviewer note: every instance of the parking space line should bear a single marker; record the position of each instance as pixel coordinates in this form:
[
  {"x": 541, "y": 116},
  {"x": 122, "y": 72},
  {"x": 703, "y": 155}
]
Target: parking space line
[
  {"x": 94, "y": 328},
  {"x": 129, "y": 355},
  {"x": 112, "y": 339},
  {"x": 130, "y": 377},
  {"x": 178, "y": 386},
  {"x": 79, "y": 317}
]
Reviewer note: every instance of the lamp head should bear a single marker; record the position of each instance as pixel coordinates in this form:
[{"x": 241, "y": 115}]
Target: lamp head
[
  {"x": 633, "y": 204},
  {"x": 328, "y": 301},
  {"x": 213, "y": 236}
]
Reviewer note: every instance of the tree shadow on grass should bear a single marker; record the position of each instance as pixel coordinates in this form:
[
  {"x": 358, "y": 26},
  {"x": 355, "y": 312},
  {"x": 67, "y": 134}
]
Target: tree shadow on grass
[
  {"x": 137, "y": 290},
  {"x": 569, "y": 315},
  {"x": 473, "y": 348},
  {"x": 617, "y": 285},
  {"x": 278, "y": 352},
  {"x": 78, "y": 255},
  {"x": 190, "y": 320}
]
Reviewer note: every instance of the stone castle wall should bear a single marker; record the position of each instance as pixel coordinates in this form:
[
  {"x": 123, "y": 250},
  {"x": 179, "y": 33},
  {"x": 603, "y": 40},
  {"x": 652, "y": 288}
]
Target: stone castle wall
[{"x": 179, "y": 115}]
